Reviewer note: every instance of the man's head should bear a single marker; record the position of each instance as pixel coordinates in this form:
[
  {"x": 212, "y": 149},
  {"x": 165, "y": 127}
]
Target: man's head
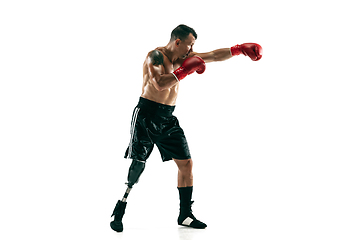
[
  {"x": 182, "y": 32},
  {"x": 184, "y": 38}
]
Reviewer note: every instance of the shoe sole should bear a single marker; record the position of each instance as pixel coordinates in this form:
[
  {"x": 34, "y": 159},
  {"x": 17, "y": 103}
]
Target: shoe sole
[{"x": 192, "y": 227}]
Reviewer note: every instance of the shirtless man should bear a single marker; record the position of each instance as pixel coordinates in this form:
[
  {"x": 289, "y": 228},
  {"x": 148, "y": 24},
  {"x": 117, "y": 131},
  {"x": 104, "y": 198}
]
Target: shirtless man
[{"x": 153, "y": 122}]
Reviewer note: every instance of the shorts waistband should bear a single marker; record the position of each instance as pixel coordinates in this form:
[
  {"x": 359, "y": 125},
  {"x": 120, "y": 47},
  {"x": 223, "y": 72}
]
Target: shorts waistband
[{"x": 155, "y": 108}]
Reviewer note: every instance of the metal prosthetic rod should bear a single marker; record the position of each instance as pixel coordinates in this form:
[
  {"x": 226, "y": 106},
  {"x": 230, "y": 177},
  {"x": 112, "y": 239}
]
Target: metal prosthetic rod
[
  {"x": 126, "y": 194},
  {"x": 135, "y": 170}
]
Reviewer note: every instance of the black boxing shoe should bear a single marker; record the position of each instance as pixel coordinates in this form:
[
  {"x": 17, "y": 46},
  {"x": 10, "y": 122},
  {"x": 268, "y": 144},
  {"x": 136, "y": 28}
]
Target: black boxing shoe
[
  {"x": 118, "y": 214},
  {"x": 186, "y": 218}
]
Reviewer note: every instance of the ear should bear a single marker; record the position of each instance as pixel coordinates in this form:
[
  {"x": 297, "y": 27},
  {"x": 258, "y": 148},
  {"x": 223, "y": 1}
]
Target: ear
[{"x": 177, "y": 42}]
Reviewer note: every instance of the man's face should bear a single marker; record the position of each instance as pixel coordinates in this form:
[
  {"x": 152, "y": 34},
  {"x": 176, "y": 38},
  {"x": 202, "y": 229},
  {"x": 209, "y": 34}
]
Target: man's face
[{"x": 186, "y": 46}]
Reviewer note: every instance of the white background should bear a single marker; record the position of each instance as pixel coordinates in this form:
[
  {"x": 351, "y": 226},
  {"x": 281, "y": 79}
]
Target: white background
[{"x": 275, "y": 143}]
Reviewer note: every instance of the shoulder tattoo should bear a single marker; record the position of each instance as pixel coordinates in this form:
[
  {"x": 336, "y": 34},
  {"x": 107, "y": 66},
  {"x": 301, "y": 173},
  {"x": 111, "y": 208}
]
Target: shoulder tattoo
[{"x": 156, "y": 57}]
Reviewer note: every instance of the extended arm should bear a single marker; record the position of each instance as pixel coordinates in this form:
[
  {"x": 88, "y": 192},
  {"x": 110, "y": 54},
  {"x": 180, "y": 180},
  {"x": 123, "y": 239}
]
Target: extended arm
[
  {"x": 216, "y": 55},
  {"x": 252, "y": 50}
]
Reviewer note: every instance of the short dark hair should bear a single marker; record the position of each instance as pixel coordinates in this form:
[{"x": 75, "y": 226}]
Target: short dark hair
[{"x": 182, "y": 32}]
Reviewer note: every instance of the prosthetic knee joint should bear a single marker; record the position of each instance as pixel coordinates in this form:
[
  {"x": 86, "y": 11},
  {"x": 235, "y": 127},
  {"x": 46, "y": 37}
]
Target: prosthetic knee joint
[{"x": 135, "y": 170}]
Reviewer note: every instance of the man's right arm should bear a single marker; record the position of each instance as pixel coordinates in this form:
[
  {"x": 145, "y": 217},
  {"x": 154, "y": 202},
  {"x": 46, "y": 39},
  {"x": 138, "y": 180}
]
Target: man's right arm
[
  {"x": 164, "y": 81},
  {"x": 157, "y": 75}
]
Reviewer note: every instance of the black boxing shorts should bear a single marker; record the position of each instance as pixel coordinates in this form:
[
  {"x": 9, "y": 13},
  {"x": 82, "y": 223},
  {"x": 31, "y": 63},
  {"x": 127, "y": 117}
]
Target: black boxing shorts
[{"x": 153, "y": 123}]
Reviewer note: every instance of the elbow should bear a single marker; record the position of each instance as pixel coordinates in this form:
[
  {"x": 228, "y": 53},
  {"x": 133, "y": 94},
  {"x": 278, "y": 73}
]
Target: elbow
[{"x": 158, "y": 86}]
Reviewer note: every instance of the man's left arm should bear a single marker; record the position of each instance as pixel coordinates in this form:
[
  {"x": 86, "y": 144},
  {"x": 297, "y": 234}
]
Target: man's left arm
[
  {"x": 216, "y": 55},
  {"x": 252, "y": 50}
]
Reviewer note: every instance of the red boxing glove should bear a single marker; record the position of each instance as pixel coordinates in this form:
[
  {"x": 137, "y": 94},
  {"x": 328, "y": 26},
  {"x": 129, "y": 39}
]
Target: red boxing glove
[
  {"x": 189, "y": 66},
  {"x": 253, "y": 50}
]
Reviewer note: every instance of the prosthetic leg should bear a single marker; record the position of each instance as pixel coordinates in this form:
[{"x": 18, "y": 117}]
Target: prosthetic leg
[{"x": 135, "y": 170}]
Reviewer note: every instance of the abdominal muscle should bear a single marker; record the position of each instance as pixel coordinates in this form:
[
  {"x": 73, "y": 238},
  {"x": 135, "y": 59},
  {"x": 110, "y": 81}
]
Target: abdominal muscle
[{"x": 167, "y": 96}]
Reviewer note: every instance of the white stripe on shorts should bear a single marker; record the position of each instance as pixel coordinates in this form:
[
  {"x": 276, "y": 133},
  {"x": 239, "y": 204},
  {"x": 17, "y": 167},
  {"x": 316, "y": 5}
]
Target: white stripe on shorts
[{"x": 132, "y": 130}]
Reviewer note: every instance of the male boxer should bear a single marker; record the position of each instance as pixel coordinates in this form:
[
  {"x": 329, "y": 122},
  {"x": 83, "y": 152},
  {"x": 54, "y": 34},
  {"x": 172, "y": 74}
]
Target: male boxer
[{"x": 153, "y": 123}]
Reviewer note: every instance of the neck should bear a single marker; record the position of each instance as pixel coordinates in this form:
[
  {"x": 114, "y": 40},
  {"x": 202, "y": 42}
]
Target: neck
[{"x": 170, "y": 52}]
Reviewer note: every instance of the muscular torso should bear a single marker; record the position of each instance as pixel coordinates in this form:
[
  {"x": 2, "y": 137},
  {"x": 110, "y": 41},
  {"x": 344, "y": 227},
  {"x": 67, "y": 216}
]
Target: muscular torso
[{"x": 167, "y": 96}]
